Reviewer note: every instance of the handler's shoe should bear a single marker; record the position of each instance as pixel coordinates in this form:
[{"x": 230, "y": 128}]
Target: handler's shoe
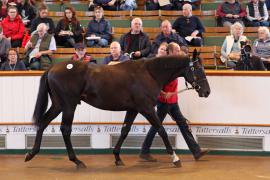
[
  {"x": 147, "y": 157},
  {"x": 201, "y": 154}
]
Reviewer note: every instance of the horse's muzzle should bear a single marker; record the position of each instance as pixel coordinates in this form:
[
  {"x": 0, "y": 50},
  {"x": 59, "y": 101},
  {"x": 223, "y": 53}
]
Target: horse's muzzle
[{"x": 206, "y": 94}]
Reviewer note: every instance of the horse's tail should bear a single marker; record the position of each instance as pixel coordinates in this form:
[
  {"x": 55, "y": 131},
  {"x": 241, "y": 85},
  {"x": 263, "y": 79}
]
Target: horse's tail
[{"x": 42, "y": 99}]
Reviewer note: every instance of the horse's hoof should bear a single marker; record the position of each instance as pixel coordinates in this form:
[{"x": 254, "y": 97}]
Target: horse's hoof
[
  {"x": 28, "y": 157},
  {"x": 177, "y": 164},
  {"x": 119, "y": 163},
  {"x": 81, "y": 165}
]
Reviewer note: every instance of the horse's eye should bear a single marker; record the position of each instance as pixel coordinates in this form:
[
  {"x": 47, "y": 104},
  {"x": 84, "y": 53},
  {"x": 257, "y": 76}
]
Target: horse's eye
[{"x": 192, "y": 68}]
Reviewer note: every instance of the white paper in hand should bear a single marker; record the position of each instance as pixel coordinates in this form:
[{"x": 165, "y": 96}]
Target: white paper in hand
[
  {"x": 164, "y": 2},
  {"x": 93, "y": 38},
  {"x": 189, "y": 38}
]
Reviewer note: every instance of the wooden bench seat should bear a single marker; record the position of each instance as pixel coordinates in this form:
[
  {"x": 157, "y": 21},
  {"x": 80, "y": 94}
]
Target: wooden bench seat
[
  {"x": 224, "y": 31},
  {"x": 208, "y": 55}
]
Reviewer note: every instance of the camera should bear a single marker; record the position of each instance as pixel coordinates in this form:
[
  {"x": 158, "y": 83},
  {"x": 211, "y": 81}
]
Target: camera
[
  {"x": 244, "y": 63},
  {"x": 245, "y": 48}
]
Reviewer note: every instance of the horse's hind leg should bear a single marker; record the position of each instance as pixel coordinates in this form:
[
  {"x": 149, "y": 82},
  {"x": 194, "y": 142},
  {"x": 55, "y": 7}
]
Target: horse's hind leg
[
  {"x": 152, "y": 117},
  {"x": 66, "y": 127},
  {"x": 129, "y": 119},
  {"x": 52, "y": 113}
]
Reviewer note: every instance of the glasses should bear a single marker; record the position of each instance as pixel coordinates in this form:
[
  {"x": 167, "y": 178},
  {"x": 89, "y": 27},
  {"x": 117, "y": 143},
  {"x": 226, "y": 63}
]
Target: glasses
[{"x": 10, "y": 54}]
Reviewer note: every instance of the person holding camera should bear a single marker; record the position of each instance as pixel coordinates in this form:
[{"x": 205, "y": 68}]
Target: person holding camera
[
  {"x": 231, "y": 47},
  {"x": 247, "y": 60},
  {"x": 136, "y": 43},
  {"x": 261, "y": 46}
]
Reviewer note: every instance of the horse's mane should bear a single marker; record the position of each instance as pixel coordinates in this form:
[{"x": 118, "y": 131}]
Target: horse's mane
[{"x": 167, "y": 62}]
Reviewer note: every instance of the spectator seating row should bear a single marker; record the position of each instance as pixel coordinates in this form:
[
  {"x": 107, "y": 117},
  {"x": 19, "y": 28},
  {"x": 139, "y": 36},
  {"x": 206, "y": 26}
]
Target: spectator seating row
[
  {"x": 150, "y": 18},
  {"x": 82, "y": 5},
  {"x": 213, "y": 36},
  {"x": 79, "y": 5},
  {"x": 209, "y": 54}
]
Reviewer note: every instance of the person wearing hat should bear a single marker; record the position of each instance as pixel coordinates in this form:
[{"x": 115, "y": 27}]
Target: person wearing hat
[{"x": 81, "y": 55}]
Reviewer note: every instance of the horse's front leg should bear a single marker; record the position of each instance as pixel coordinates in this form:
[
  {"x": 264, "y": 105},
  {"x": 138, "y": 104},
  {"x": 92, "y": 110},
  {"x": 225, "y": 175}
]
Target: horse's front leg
[
  {"x": 129, "y": 119},
  {"x": 152, "y": 117}
]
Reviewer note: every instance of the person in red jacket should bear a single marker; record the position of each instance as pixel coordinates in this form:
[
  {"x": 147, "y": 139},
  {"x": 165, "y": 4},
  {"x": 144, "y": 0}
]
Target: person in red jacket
[
  {"x": 168, "y": 104},
  {"x": 81, "y": 55},
  {"x": 13, "y": 27}
]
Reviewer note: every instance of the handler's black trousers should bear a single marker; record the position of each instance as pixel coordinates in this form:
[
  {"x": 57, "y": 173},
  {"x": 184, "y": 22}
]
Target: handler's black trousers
[{"x": 173, "y": 109}]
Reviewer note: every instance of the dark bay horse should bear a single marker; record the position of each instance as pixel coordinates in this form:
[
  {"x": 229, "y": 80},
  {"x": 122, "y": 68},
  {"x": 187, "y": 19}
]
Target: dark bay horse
[{"x": 131, "y": 86}]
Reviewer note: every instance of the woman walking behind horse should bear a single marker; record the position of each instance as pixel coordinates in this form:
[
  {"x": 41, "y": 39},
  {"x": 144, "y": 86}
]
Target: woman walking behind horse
[{"x": 167, "y": 104}]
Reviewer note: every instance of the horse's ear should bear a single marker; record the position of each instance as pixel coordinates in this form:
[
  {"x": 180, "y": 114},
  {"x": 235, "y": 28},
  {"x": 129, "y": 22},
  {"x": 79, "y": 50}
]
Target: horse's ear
[
  {"x": 198, "y": 53},
  {"x": 194, "y": 54}
]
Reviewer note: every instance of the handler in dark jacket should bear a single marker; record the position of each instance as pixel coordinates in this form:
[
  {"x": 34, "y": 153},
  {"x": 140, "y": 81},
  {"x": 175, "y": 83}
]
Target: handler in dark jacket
[
  {"x": 99, "y": 30},
  {"x": 136, "y": 43}
]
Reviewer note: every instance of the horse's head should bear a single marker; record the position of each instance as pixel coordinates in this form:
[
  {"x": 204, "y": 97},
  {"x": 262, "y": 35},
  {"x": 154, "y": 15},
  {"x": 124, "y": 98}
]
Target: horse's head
[{"x": 195, "y": 75}]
